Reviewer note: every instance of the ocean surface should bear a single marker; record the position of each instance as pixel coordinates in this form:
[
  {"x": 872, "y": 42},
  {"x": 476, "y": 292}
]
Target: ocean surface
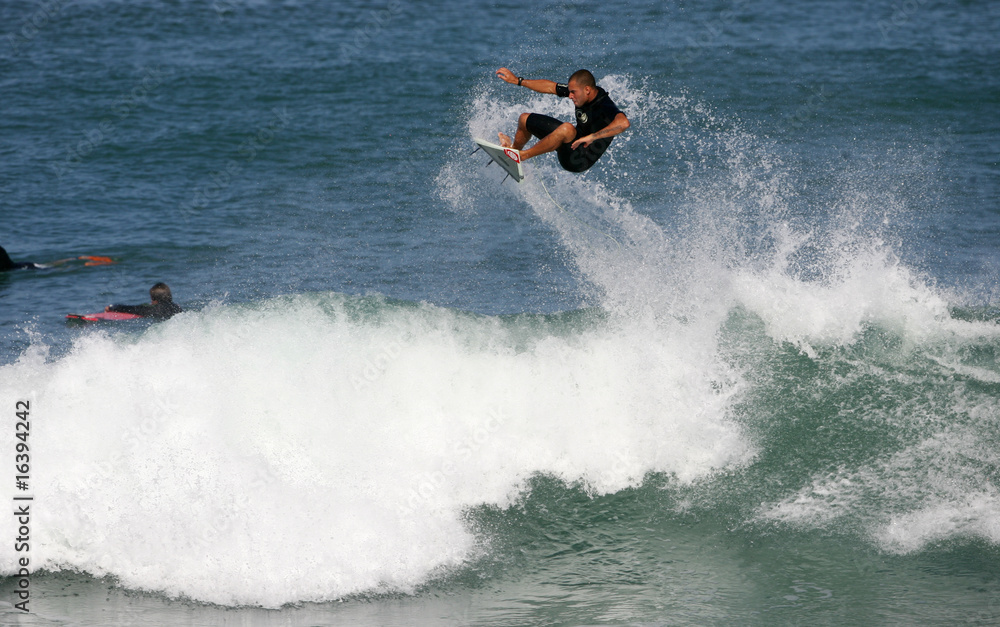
[{"x": 743, "y": 371}]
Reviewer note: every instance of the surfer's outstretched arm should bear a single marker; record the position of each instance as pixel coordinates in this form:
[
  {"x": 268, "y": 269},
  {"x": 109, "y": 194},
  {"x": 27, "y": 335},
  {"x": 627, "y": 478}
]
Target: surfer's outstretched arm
[{"x": 540, "y": 85}]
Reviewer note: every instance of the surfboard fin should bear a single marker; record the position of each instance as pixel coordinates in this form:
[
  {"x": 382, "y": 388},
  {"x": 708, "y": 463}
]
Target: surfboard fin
[{"x": 508, "y": 158}]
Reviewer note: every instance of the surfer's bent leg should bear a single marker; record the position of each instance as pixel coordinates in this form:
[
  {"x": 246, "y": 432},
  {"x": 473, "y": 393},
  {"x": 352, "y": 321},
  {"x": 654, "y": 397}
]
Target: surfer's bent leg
[
  {"x": 523, "y": 134},
  {"x": 521, "y": 137},
  {"x": 539, "y": 125},
  {"x": 551, "y": 133},
  {"x": 559, "y": 136}
]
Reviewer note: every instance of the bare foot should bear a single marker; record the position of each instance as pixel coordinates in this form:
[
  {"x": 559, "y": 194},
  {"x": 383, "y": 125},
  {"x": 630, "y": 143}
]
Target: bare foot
[{"x": 505, "y": 141}]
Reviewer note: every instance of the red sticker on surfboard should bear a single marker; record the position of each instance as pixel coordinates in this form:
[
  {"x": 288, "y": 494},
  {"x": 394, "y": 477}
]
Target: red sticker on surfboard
[{"x": 504, "y": 156}]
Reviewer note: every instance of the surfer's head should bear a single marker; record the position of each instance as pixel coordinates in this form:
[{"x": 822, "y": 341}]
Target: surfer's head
[
  {"x": 160, "y": 293},
  {"x": 582, "y": 87}
]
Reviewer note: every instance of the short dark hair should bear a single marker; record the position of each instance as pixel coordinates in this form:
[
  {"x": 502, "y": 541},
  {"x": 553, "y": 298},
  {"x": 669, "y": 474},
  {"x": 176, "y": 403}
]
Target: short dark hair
[
  {"x": 583, "y": 78},
  {"x": 161, "y": 293}
]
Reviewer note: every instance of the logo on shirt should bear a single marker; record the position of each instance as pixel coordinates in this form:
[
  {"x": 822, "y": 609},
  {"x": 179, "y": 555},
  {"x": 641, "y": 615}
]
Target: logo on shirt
[{"x": 582, "y": 117}]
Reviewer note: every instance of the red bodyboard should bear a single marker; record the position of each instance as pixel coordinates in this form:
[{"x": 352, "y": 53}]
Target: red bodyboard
[{"x": 104, "y": 315}]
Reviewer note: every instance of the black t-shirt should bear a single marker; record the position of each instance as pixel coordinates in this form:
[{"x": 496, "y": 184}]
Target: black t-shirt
[{"x": 595, "y": 115}]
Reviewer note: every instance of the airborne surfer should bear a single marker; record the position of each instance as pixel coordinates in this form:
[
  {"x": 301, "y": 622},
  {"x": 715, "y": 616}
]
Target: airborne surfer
[{"x": 598, "y": 120}]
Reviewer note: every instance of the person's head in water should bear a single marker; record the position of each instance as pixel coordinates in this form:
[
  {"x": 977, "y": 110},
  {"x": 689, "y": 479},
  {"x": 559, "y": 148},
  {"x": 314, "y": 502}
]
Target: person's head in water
[
  {"x": 160, "y": 293},
  {"x": 582, "y": 87}
]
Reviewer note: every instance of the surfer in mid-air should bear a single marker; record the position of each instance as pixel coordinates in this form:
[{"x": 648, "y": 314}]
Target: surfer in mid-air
[{"x": 598, "y": 120}]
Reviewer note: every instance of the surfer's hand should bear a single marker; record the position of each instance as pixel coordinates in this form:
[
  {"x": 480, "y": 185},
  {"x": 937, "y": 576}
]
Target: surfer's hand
[
  {"x": 583, "y": 141},
  {"x": 506, "y": 75}
]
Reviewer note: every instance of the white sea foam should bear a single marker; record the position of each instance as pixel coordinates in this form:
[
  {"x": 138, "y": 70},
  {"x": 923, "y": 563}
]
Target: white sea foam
[
  {"x": 970, "y": 515},
  {"x": 293, "y": 452},
  {"x": 934, "y": 490},
  {"x": 817, "y": 279},
  {"x": 301, "y": 451}
]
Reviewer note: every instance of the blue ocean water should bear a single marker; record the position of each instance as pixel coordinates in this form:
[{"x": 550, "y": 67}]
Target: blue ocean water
[{"x": 743, "y": 371}]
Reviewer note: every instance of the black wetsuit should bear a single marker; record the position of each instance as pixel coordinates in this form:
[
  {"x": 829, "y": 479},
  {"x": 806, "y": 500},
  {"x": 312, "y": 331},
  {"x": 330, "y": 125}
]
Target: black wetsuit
[
  {"x": 153, "y": 310},
  {"x": 590, "y": 118},
  {"x": 7, "y": 264}
]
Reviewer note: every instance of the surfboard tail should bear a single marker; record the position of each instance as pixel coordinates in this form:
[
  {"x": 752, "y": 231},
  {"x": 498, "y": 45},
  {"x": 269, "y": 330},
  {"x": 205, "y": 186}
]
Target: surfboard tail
[{"x": 507, "y": 158}]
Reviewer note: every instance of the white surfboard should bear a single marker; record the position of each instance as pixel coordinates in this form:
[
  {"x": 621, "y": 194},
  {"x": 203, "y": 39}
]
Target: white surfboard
[{"x": 507, "y": 158}]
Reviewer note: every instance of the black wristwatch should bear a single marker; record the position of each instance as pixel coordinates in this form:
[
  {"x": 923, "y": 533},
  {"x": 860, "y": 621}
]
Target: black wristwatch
[{"x": 519, "y": 79}]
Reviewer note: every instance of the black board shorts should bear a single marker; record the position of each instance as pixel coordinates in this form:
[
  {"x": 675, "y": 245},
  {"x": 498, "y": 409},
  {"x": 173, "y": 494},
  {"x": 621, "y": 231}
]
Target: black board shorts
[{"x": 572, "y": 160}]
